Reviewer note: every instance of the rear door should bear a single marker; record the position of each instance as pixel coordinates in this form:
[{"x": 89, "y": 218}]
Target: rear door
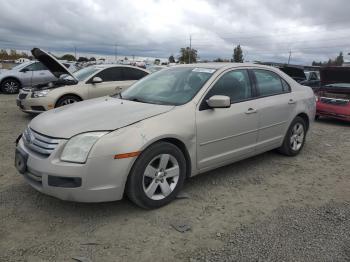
[
  {"x": 275, "y": 105},
  {"x": 227, "y": 134}
]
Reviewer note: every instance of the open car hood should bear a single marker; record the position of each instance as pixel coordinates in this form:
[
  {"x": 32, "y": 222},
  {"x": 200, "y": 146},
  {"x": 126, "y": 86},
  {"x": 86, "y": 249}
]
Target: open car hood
[
  {"x": 52, "y": 64},
  {"x": 335, "y": 79},
  {"x": 294, "y": 72}
]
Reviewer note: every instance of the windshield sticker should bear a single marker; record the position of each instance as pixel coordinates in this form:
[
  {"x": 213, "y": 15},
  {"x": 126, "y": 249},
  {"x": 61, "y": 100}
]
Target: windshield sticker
[{"x": 203, "y": 70}]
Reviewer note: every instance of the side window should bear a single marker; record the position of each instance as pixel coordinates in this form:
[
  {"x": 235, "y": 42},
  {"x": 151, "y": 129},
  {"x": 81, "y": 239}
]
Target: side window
[
  {"x": 285, "y": 85},
  {"x": 133, "y": 73},
  {"x": 269, "y": 83},
  {"x": 313, "y": 76},
  {"x": 110, "y": 74},
  {"x": 36, "y": 67},
  {"x": 234, "y": 84}
]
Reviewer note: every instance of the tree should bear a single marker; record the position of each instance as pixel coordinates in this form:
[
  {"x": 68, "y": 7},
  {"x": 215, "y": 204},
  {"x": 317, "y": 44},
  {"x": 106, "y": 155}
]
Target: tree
[
  {"x": 339, "y": 60},
  {"x": 238, "y": 54},
  {"x": 3, "y": 54},
  {"x": 68, "y": 57},
  {"x": 171, "y": 59},
  {"x": 218, "y": 60},
  {"x": 83, "y": 59},
  {"x": 188, "y": 55}
]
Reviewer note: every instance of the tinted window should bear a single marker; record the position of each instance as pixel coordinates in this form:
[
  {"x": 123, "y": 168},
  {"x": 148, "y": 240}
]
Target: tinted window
[
  {"x": 234, "y": 84},
  {"x": 269, "y": 83},
  {"x": 133, "y": 73},
  {"x": 110, "y": 74},
  {"x": 36, "y": 67}
]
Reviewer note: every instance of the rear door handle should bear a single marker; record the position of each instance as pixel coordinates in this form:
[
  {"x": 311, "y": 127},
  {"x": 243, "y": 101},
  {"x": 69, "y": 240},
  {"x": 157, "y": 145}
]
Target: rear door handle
[
  {"x": 291, "y": 102},
  {"x": 251, "y": 111}
]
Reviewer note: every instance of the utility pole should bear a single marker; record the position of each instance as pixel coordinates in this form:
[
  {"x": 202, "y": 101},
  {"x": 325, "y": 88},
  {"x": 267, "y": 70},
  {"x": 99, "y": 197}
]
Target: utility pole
[
  {"x": 75, "y": 52},
  {"x": 116, "y": 52},
  {"x": 290, "y": 55},
  {"x": 189, "y": 55}
]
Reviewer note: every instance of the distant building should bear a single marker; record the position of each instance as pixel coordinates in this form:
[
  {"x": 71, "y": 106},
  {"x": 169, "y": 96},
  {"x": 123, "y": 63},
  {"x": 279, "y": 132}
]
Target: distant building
[{"x": 21, "y": 60}]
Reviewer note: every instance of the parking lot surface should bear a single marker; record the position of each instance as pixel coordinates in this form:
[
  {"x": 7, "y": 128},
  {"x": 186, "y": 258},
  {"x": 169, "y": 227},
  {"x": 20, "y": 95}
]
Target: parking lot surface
[{"x": 269, "y": 208}]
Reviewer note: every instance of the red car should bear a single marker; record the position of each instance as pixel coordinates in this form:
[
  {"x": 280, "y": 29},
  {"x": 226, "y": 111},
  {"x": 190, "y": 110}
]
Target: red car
[{"x": 333, "y": 97}]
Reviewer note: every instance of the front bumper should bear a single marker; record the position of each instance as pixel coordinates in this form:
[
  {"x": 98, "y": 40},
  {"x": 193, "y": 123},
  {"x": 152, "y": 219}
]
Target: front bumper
[
  {"x": 29, "y": 104},
  {"x": 100, "y": 179}
]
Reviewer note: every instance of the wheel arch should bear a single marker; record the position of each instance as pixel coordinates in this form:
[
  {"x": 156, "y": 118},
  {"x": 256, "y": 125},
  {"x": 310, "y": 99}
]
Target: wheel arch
[
  {"x": 68, "y": 94},
  {"x": 180, "y": 145},
  {"x": 305, "y": 117},
  {"x": 11, "y": 77}
]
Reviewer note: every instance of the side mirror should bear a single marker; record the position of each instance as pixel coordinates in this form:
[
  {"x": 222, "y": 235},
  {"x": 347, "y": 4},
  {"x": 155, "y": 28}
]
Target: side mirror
[
  {"x": 24, "y": 70},
  {"x": 219, "y": 102},
  {"x": 97, "y": 80}
]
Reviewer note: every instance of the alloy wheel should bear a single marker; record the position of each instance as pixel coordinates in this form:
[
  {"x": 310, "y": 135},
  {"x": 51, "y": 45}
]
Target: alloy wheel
[
  {"x": 161, "y": 176},
  {"x": 11, "y": 86},
  {"x": 68, "y": 101},
  {"x": 297, "y": 136}
]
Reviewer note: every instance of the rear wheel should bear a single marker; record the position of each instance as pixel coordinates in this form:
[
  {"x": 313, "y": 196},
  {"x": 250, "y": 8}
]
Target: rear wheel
[
  {"x": 295, "y": 138},
  {"x": 66, "y": 100},
  {"x": 10, "y": 86},
  {"x": 157, "y": 176}
]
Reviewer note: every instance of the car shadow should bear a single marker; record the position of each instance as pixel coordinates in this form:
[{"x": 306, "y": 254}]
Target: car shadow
[{"x": 332, "y": 121}]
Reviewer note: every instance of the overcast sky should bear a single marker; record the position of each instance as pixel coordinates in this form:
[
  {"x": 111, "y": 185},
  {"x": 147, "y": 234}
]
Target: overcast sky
[{"x": 266, "y": 29}]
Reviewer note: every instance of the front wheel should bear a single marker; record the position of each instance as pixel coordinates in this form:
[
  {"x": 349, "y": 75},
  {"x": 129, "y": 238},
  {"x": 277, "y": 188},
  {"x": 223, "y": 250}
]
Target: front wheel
[
  {"x": 295, "y": 138},
  {"x": 157, "y": 176},
  {"x": 66, "y": 100}
]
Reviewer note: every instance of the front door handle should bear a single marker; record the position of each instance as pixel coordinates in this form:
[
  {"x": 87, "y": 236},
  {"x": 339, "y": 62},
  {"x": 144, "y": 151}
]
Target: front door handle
[
  {"x": 291, "y": 102},
  {"x": 251, "y": 111}
]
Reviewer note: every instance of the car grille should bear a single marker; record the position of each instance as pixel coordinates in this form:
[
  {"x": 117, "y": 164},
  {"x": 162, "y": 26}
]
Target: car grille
[
  {"x": 22, "y": 96},
  {"x": 39, "y": 143},
  {"x": 334, "y": 101}
]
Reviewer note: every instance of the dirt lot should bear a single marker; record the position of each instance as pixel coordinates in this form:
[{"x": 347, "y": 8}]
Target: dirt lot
[{"x": 267, "y": 208}]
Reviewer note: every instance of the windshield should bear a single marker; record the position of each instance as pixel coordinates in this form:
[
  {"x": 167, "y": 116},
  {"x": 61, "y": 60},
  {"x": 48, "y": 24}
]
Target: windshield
[
  {"x": 174, "y": 86},
  {"x": 20, "y": 66},
  {"x": 84, "y": 73}
]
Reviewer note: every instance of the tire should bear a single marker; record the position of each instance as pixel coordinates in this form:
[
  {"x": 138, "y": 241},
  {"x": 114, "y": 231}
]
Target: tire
[
  {"x": 157, "y": 176},
  {"x": 295, "y": 138},
  {"x": 67, "y": 99},
  {"x": 10, "y": 86}
]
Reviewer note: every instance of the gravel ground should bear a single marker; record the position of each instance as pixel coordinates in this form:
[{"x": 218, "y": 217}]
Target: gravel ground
[{"x": 267, "y": 208}]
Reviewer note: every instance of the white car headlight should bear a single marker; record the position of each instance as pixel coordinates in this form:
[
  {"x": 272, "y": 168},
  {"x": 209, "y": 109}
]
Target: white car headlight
[
  {"x": 41, "y": 93},
  {"x": 78, "y": 147}
]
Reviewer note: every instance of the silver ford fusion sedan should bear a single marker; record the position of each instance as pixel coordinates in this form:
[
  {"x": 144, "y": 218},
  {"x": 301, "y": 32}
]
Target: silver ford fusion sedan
[{"x": 171, "y": 125}]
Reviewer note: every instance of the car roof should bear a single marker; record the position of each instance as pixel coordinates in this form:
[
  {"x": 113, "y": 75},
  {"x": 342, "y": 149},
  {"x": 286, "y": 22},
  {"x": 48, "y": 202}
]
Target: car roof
[
  {"x": 115, "y": 65},
  {"x": 223, "y": 65}
]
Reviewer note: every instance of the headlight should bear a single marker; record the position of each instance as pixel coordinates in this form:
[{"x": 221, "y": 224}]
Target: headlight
[
  {"x": 78, "y": 147},
  {"x": 41, "y": 93}
]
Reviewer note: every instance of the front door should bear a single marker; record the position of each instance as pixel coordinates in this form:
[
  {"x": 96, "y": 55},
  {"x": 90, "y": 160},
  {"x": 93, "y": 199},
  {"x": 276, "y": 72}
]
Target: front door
[
  {"x": 112, "y": 82},
  {"x": 225, "y": 135}
]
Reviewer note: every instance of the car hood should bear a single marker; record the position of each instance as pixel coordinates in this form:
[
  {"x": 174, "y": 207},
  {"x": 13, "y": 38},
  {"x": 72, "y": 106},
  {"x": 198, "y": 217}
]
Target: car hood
[
  {"x": 294, "y": 72},
  {"x": 52, "y": 64},
  {"x": 100, "y": 114}
]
